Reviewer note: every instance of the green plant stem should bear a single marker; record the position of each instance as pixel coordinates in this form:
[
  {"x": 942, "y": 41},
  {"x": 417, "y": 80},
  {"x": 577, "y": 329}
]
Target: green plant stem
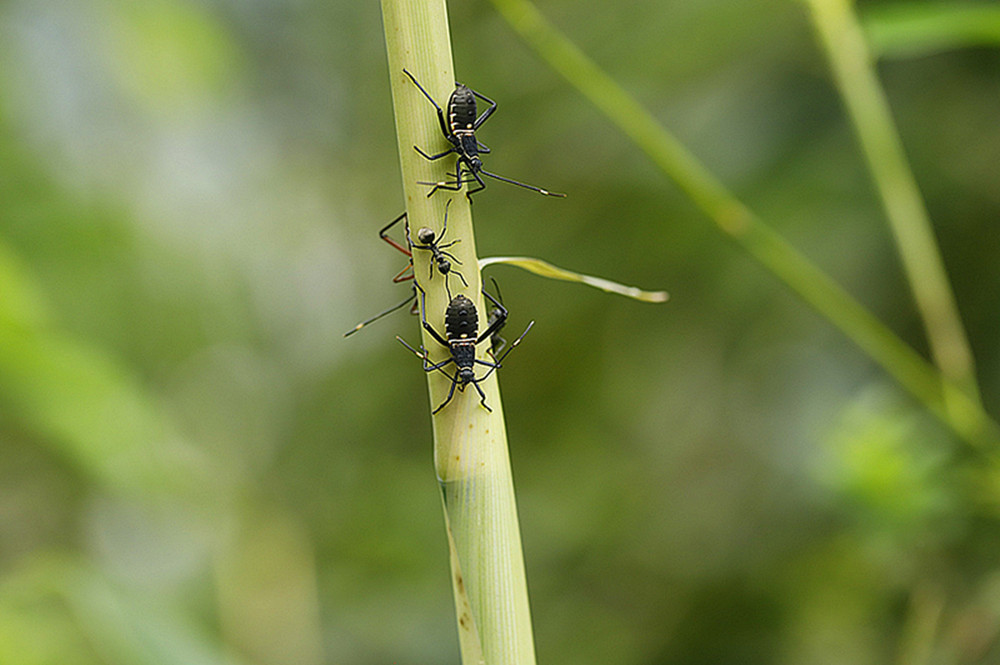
[
  {"x": 470, "y": 443},
  {"x": 851, "y": 62},
  {"x": 942, "y": 397}
]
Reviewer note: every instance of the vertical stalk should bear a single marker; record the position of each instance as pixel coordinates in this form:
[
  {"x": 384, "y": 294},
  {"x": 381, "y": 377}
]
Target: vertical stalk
[
  {"x": 470, "y": 443},
  {"x": 851, "y": 62}
]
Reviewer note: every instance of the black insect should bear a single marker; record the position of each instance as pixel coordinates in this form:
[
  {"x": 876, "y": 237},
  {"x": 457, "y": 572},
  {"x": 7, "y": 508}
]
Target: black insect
[
  {"x": 461, "y": 323},
  {"x": 431, "y": 242},
  {"x": 460, "y": 130},
  {"x": 496, "y": 341},
  {"x": 428, "y": 241}
]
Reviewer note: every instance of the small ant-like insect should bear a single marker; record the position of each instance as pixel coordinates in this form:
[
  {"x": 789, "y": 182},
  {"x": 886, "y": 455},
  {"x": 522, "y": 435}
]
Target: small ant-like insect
[
  {"x": 429, "y": 241},
  {"x": 461, "y": 322}
]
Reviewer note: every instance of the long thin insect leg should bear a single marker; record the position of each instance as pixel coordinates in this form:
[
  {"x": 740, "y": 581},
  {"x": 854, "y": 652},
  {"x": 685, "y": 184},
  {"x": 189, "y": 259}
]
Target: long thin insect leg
[
  {"x": 434, "y": 157},
  {"x": 384, "y": 235},
  {"x": 498, "y": 323},
  {"x": 380, "y": 315},
  {"x": 451, "y": 393},
  {"x": 505, "y": 353},
  {"x": 482, "y": 395},
  {"x": 428, "y": 367},
  {"x": 423, "y": 317},
  {"x": 487, "y": 113},
  {"x": 440, "y": 113},
  {"x": 544, "y": 192}
]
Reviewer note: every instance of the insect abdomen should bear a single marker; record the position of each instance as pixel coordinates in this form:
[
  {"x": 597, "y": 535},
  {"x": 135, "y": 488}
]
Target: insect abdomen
[
  {"x": 462, "y": 109},
  {"x": 460, "y": 319}
]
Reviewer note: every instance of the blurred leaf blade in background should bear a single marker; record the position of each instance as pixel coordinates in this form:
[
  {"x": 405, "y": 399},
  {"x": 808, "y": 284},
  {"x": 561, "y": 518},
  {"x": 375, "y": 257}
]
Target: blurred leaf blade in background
[
  {"x": 90, "y": 619},
  {"x": 80, "y": 399},
  {"x": 914, "y": 29},
  {"x": 77, "y": 396},
  {"x": 954, "y": 404},
  {"x": 866, "y": 103}
]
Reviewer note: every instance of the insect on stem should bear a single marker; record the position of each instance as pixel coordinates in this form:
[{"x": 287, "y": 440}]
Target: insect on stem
[{"x": 460, "y": 130}]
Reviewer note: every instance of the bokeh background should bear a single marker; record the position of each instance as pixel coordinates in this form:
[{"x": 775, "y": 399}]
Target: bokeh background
[{"x": 197, "y": 468}]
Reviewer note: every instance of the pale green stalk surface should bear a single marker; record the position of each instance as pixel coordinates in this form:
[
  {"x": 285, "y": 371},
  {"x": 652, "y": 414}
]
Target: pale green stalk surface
[{"x": 470, "y": 443}]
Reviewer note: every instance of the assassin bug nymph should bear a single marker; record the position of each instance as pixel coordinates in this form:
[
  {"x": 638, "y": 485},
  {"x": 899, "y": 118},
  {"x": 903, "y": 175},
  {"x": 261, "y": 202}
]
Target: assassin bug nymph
[
  {"x": 459, "y": 127},
  {"x": 461, "y": 323},
  {"x": 429, "y": 241},
  {"x": 497, "y": 343}
]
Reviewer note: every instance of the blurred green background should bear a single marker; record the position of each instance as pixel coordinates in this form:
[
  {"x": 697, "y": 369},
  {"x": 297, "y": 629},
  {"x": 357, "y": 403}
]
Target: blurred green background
[{"x": 197, "y": 468}]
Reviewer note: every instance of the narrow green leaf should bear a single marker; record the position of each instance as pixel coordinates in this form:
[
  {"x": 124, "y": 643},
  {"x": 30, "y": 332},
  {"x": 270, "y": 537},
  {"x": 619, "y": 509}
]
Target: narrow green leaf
[
  {"x": 948, "y": 401},
  {"x": 840, "y": 33},
  {"x": 546, "y": 269},
  {"x": 909, "y": 29}
]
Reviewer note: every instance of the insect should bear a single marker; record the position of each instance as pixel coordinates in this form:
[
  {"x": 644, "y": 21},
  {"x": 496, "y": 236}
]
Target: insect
[
  {"x": 460, "y": 130},
  {"x": 461, "y": 323},
  {"x": 496, "y": 341},
  {"x": 429, "y": 241}
]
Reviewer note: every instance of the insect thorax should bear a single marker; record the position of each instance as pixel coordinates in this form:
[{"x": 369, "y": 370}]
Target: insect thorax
[
  {"x": 467, "y": 143},
  {"x": 464, "y": 352}
]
